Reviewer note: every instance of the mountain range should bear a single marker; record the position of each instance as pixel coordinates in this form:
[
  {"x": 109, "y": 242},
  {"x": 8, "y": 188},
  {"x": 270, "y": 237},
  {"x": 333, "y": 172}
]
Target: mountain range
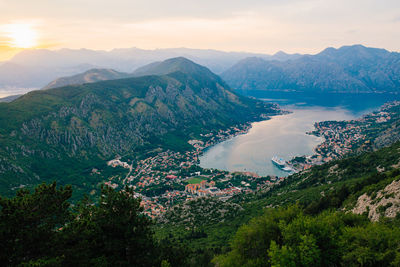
[
  {"x": 68, "y": 133},
  {"x": 349, "y": 69},
  {"x": 95, "y": 75},
  {"x": 317, "y": 217},
  {"x": 35, "y": 68},
  {"x": 90, "y": 76}
]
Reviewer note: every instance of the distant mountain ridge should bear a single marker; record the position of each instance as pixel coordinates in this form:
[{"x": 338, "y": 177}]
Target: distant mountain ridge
[
  {"x": 9, "y": 98},
  {"x": 180, "y": 64},
  {"x": 35, "y": 68},
  {"x": 90, "y": 76},
  {"x": 349, "y": 69},
  {"x": 169, "y": 66},
  {"x": 346, "y": 69}
]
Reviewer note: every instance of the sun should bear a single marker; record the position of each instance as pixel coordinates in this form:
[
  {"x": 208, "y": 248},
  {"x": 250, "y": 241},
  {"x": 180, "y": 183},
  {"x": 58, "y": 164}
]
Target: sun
[{"x": 22, "y": 35}]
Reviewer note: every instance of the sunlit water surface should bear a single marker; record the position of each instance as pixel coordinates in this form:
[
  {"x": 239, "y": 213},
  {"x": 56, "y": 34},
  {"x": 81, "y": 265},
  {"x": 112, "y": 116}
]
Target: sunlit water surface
[{"x": 285, "y": 135}]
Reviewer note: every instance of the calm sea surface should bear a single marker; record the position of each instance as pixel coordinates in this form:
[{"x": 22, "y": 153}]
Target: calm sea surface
[{"x": 285, "y": 135}]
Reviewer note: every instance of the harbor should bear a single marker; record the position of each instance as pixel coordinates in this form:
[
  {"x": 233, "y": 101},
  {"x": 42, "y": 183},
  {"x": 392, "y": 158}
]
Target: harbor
[
  {"x": 282, "y": 164},
  {"x": 284, "y": 136}
]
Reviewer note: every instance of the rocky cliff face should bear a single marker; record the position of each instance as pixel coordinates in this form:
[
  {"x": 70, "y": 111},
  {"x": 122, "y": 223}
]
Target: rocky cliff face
[
  {"x": 62, "y": 133},
  {"x": 384, "y": 203}
]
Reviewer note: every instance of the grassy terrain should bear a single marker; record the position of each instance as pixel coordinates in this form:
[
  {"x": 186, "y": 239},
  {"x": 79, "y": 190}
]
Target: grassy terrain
[{"x": 196, "y": 180}]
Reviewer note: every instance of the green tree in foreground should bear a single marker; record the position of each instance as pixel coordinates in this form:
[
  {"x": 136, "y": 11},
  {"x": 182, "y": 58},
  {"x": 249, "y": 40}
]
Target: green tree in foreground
[
  {"x": 288, "y": 237},
  {"x": 40, "y": 229},
  {"x": 30, "y": 223},
  {"x": 113, "y": 233}
]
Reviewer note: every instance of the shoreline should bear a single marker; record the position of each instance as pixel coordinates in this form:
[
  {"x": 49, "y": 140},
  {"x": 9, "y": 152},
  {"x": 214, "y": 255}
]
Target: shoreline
[
  {"x": 247, "y": 127},
  {"x": 342, "y": 138},
  {"x": 161, "y": 179}
]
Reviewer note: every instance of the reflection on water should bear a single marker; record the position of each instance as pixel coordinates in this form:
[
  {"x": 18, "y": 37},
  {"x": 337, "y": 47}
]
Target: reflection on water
[{"x": 285, "y": 135}]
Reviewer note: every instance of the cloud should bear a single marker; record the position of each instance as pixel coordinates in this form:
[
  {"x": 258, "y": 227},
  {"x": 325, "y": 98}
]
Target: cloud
[
  {"x": 305, "y": 26},
  {"x": 135, "y": 10}
]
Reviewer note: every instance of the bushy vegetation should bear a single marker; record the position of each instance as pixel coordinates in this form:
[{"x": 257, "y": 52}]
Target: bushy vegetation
[
  {"x": 42, "y": 228},
  {"x": 331, "y": 187},
  {"x": 289, "y": 237}
]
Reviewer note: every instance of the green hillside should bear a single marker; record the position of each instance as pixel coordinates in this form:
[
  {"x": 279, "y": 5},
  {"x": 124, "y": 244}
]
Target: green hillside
[
  {"x": 344, "y": 212},
  {"x": 322, "y": 229},
  {"x": 69, "y": 133},
  {"x": 305, "y": 221},
  {"x": 209, "y": 225}
]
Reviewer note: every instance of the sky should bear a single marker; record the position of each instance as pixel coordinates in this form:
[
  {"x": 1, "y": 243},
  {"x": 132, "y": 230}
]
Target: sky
[{"x": 262, "y": 26}]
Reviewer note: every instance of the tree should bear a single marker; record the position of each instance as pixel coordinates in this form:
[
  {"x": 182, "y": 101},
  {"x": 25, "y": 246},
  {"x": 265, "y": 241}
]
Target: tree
[
  {"x": 374, "y": 245},
  {"x": 252, "y": 241},
  {"x": 281, "y": 257},
  {"x": 114, "y": 232},
  {"x": 30, "y": 223},
  {"x": 331, "y": 238},
  {"x": 40, "y": 229},
  {"x": 308, "y": 251}
]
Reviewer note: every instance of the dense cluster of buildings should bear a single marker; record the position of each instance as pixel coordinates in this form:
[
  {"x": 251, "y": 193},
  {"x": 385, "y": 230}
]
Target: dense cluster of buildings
[
  {"x": 203, "y": 188},
  {"x": 339, "y": 138},
  {"x": 166, "y": 174},
  {"x": 171, "y": 172},
  {"x": 343, "y": 137}
]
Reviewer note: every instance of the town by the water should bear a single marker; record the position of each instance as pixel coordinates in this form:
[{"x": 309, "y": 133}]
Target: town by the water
[{"x": 167, "y": 178}]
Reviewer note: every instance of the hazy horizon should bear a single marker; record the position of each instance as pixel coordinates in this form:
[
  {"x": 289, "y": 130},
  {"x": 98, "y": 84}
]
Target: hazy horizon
[
  {"x": 190, "y": 48},
  {"x": 256, "y": 26}
]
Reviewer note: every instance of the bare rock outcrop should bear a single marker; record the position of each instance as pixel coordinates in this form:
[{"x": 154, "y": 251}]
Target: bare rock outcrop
[{"x": 385, "y": 202}]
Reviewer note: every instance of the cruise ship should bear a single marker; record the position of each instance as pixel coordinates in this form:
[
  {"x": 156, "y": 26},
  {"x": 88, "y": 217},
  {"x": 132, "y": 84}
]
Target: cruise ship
[{"x": 281, "y": 163}]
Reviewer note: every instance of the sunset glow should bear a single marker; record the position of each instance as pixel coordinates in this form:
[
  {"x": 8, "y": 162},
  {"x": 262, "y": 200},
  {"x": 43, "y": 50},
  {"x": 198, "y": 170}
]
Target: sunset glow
[
  {"x": 21, "y": 35},
  {"x": 260, "y": 26}
]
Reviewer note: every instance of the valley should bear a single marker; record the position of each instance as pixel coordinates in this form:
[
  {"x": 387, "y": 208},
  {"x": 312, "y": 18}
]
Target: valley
[
  {"x": 284, "y": 135},
  {"x": 70, "y": 133},
  {"x": 194, "y": 156},
  {"x": 162, "y": 180},
  {"x": 315, "y": 132},
  {"x": 200, "y": 133}
]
